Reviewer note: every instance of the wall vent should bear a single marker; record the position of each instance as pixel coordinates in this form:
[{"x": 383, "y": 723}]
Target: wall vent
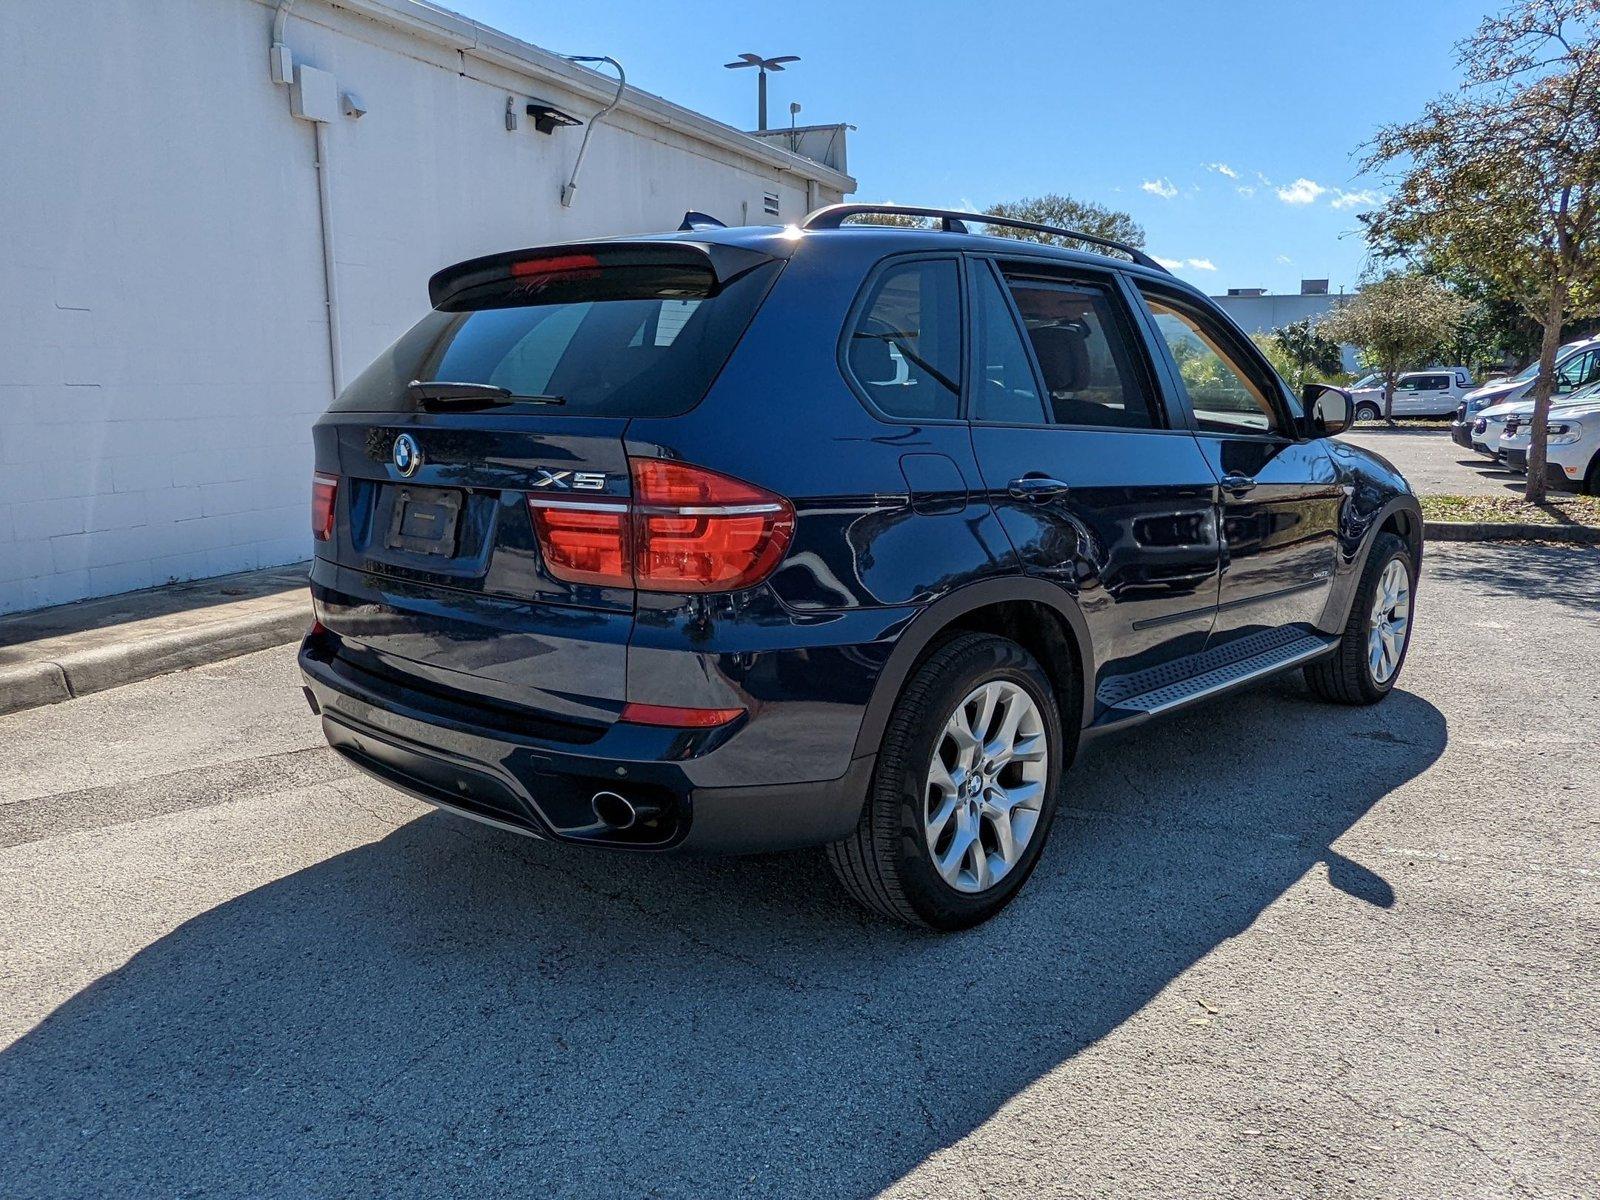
[{"x": 769, "y": 203}]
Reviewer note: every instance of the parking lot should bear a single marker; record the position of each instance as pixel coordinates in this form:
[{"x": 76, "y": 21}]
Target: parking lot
[
  {"x": 1273, "y": 949},
  {"x": 1436, "y": 466}
]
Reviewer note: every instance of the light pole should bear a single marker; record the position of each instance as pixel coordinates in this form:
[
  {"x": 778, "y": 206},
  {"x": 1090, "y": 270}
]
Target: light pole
[{"x": 762, "y": 65}]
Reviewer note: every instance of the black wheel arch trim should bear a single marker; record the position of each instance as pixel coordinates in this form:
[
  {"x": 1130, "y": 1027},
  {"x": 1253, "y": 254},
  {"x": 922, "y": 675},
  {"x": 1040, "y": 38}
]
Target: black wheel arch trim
[
  {"x": 940, "y": 616},
  {"x": 1343, "y": 594}
]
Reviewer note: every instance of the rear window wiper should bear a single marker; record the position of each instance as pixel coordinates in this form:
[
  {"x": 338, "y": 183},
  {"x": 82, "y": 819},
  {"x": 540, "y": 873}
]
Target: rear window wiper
[{"x": 444, "y": 394}]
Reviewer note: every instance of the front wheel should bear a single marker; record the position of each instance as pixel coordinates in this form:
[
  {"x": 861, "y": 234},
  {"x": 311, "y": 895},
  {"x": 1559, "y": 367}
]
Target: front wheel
[
  {"x": 1372, "y": 649},
  {"x": 964, "y": 791},
  {"x": 1368, "y": 411}
]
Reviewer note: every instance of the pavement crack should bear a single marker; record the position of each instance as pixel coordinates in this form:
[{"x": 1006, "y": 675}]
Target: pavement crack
[{"x": 1378, "y": 1112}]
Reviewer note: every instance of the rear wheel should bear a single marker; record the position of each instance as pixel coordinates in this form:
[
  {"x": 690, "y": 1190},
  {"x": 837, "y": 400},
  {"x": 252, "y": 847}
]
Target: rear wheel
[
  {"x": 1372, "y": 649},
  {"x": 964, "y": 791}
]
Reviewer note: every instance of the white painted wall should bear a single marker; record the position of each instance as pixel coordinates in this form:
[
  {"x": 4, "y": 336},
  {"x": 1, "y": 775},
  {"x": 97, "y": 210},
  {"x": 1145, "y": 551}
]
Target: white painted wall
[
  {"x": 163, "y": 347},
  {"x": 1263, "y": 314}
]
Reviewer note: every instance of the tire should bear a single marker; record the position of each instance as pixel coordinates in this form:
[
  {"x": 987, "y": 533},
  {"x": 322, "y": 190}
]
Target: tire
[
  {"x": 1591, "y": 481},
  {"x": 1347, "y": 676},
  {"x": 1368, "y": 412},
  {"x": 888, "y": 864}
]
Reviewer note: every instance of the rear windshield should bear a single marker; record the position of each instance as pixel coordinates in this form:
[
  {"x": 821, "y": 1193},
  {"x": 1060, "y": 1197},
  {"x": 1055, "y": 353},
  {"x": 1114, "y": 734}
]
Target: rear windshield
[{"x": 647, "y": 349}]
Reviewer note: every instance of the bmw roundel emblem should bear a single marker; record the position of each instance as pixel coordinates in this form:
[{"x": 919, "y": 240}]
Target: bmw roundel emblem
[{"x": 407, "y": 455}]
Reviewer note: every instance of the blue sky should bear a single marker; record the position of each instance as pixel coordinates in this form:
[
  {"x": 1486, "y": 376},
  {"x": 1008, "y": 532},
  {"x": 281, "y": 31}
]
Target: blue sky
[{"x": 1229, "y": 129}]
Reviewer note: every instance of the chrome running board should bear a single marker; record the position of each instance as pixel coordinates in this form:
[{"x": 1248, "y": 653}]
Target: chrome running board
[{"x": 1187, "y": 681}]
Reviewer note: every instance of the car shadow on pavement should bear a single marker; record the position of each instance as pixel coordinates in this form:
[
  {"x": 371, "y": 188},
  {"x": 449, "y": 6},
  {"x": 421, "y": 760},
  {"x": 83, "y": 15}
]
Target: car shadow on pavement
[{"x": 451, "y": 1010}]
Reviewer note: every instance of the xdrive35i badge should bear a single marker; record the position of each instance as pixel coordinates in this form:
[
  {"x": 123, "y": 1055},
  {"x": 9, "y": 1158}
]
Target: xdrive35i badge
[
  {"x": 582, "y": 481},
  {"x": 407, "y": 455}
]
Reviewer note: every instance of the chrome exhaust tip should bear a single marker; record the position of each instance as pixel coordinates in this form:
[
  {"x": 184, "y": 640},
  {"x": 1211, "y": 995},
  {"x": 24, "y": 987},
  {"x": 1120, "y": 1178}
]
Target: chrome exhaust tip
[{"x": 613, "y": 810}]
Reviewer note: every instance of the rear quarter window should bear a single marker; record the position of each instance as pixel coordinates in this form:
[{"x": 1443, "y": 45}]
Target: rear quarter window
[
  {"x": 645, "y": 350},
  {"x": 903, "y": 349}
]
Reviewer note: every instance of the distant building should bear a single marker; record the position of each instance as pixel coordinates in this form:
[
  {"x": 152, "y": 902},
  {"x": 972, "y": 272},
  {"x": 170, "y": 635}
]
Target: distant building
[{"x": 1259, "y": 311}]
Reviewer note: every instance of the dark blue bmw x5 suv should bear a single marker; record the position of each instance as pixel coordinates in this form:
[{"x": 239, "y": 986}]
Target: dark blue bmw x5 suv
[{"x": 842, "y": 535}]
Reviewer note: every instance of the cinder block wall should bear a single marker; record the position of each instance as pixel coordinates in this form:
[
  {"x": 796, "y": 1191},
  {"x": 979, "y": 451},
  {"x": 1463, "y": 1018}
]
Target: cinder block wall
[{"x": 163, "y": 346}]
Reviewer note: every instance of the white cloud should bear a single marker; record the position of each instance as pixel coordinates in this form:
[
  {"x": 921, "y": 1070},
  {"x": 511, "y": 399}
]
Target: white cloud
[
  {"x": 1301, "y": 191},
  {"x": 1286, "y": 260},
  {"x": 1202, "y": 264},
  {"x": 1159, "y": 187},
  {"x": 1222, "y": 168},
  {"x": 1246, "y": 191},
  {"x": 1171, "y": 264},
  {"x": 1363, "y": 199}
]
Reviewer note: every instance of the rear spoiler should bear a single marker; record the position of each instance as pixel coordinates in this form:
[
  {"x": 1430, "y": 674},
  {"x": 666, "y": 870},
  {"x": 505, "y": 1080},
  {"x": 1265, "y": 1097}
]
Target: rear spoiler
[{"x": 718, "y": 263}]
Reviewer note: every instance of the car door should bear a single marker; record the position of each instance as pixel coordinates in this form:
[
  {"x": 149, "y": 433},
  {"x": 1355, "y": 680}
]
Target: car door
[
  {"x": 1096, "y": 487},
  {"x": 1279, "y": 497}
]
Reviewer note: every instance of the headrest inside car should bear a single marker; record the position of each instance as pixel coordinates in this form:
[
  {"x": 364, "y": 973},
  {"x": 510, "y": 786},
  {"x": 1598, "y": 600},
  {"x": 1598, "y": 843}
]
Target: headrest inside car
[
  {"x": 870, "y": 360},
  {"x": 1063, "y": 355}
]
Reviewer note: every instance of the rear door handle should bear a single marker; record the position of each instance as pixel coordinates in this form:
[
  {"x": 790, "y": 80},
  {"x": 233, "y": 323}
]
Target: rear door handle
[
  {"x": 1236, "y": 484},
  {"x": 1036, "y": 488}
]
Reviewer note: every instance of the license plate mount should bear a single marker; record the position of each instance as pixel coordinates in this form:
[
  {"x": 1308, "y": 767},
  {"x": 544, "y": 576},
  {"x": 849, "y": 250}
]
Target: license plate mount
[{"x": 424, "y": 521}]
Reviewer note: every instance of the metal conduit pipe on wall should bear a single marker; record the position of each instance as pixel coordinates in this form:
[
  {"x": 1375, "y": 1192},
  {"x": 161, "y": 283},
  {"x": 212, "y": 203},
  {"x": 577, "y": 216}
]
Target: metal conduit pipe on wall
[{"x": 283, "y": 72}]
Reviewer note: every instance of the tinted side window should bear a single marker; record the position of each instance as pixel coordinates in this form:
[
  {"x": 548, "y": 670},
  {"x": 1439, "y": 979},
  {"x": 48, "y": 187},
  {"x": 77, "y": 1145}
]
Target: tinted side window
[
  {"x": 1582, "y": 369},
  {"x": 905, "y": 348},
  {"x": 1225, "y": 394},
  {"x": 1083, "y": 355},
  {"x": 1007, "y": 389}
]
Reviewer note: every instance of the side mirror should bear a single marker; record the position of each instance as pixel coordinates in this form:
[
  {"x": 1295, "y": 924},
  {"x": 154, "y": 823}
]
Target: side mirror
[{"x": 1328, "y": 409}]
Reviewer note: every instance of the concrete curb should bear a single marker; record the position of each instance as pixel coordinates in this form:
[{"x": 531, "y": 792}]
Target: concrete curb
[
  {"x": 1501, "y": 531},
  {"x": 55, "y": 654},
  {"x": 96, "y": 668}
]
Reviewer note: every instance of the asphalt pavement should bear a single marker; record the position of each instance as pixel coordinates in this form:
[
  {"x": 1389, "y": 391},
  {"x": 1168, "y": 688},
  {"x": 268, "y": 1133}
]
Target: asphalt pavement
[
  {"x": 1274, "y": 948},
  {"x": 1434, "y": 465}
]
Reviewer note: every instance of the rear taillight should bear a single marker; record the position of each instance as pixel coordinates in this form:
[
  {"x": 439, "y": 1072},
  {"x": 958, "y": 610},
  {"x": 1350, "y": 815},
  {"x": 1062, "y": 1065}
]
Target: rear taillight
[
  {"x": 687, "y": 530},
  {"x": 697, "y": 531},
  {"x": 324, "y": 490},
  {"x": 584, "y": 543}
]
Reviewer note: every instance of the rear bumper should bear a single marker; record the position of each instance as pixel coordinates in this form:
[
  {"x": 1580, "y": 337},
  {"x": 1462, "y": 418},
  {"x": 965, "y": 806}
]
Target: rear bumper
[{"x": 542, "y": 788}]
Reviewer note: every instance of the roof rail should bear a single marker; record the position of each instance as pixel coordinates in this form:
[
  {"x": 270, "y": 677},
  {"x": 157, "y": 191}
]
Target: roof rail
[{"x": 833, "y": 216}]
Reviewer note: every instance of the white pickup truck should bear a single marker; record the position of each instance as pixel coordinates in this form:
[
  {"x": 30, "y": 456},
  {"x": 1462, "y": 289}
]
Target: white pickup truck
[{"x": 1436, "y": 392}]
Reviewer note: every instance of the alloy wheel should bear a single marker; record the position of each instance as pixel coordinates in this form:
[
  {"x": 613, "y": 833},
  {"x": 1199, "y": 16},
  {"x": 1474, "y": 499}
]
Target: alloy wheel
[
  {"x": 1390, "y": 620},
  {"x": 985, "y": 786}
]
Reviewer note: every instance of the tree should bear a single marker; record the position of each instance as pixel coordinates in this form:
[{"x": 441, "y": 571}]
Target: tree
[
  {"x": 1311, "y": 357},
  {"x": 1502, "y": 178},
  {"x": 1065, "y": 212},
  {"x": 894, "y": 220},
  {"x": 1395, "y": 322}
]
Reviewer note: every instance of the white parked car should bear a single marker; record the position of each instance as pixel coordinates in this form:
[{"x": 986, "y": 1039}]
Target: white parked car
[
  {"x": 1577, "y": 366},
  {"x": 1436, "y": 392},
  {"x": 1573, "y": 449},
  {"x": 1493, "y": 424},
  {"x": 1486, "y": 431}
]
